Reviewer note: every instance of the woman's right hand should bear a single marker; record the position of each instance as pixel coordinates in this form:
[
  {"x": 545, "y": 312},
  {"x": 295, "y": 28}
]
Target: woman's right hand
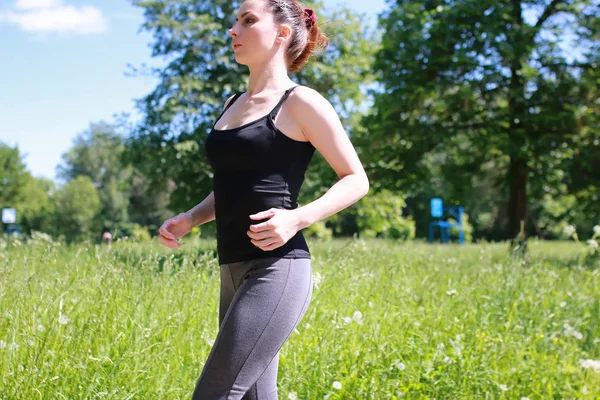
[{"x": 174, "y": 228}]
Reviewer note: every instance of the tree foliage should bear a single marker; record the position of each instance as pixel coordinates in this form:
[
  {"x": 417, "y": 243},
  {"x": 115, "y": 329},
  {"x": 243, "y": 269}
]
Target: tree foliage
[{"x": 471, "y": 86}]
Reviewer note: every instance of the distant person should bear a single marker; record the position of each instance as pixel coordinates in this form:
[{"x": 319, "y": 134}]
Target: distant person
[
  {"x": 259, "y": 149},
  {"x": 107, "y": 238}
]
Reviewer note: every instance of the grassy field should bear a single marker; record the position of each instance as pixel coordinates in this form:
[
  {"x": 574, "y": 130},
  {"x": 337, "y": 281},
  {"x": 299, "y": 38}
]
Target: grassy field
[{"x": 387, "y": 321}]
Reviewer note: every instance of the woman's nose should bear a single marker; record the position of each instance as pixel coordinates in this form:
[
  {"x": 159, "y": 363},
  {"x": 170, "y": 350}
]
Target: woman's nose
[{"x": 231, "y": 32}]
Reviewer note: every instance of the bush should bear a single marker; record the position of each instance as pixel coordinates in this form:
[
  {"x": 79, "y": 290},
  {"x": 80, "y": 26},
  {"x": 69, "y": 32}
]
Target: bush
[
  {"x": 376, "y": 215},
  {"x": 467, "y": 229},
  {"x": 318, "y": 230}
]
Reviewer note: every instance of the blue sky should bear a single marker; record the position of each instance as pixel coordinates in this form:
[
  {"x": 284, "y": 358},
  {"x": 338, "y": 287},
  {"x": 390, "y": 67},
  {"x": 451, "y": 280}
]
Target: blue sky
[{"x": 63, "y": 67}]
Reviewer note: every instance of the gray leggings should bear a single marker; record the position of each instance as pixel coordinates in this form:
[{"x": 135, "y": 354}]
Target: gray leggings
[{"x": 262, "y": 302}]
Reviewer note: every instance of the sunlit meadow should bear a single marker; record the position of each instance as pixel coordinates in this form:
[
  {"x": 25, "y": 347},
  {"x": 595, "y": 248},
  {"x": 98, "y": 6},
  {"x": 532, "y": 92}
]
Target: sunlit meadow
[{"x": 387, "y": 321}]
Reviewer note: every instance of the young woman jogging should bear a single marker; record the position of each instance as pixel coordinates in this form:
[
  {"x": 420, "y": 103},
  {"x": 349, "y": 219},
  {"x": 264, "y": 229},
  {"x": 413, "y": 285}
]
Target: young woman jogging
[{"x": 259, "y": 149}]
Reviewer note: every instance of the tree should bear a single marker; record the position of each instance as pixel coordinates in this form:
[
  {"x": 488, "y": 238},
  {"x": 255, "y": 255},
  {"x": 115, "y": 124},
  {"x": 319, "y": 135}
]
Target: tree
[
  {"x": 37, "y": 211},
  {"x": 13, "y": 176},
  {"x": 78, "y": 204},
  {"x": 480, "y": 80},
  {"x": 97, "y": 153},
  {"x": 167, "y": 146}
]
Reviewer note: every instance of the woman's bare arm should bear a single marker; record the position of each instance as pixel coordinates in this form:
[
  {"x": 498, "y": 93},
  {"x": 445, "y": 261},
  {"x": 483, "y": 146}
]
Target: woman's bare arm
[
  {"x": 203, "y": 212},
  {"x": 323, "y": 128}
]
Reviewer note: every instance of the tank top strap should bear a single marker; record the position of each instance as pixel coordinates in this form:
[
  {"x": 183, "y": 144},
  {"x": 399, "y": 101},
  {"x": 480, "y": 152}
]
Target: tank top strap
[
  {"x": 233, "y": 99},
  {"x": 283, "y": 98}
]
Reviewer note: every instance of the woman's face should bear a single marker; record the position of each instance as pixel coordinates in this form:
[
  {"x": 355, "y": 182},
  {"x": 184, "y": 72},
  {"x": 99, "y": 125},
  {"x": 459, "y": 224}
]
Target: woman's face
[{"x": 253, "y": 34}]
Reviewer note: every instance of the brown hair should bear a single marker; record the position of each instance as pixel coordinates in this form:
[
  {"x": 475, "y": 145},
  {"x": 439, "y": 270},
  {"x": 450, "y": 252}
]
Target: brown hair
[{"x": 306, "y": 36}]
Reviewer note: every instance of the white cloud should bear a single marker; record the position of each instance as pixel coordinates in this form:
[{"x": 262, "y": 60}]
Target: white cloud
[
  {"x": 53, "y": 16},
  {"x": 36, "y": 4}
]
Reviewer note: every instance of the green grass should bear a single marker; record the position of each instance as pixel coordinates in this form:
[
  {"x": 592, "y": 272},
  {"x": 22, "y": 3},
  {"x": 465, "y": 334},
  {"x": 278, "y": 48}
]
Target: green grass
[{"x": 438, "y": 322}]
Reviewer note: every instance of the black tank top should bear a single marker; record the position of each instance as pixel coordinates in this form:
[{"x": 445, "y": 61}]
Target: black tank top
[{"x": 256, "y": 167}]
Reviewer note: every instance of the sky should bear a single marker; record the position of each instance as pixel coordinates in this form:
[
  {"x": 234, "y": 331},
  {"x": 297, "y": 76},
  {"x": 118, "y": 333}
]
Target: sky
[{"x": 63, "y": 66}]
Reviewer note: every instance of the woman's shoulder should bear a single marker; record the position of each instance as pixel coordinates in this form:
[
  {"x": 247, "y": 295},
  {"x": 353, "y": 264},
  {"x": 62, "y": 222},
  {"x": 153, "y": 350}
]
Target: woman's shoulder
[{"x": 306, "y": 99}]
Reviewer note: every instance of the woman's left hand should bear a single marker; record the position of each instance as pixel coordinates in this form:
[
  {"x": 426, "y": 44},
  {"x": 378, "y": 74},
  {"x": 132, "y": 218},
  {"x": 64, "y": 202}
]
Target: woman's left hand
[{"x": 281, "y": 227}]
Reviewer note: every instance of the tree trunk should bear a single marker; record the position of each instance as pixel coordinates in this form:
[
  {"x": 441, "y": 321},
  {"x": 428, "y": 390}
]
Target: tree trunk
[{"x": 517, "y": 203}]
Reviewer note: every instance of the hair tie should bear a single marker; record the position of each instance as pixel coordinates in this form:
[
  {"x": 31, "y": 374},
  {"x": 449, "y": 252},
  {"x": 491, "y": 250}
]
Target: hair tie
[{"x": 311, "y": 17}]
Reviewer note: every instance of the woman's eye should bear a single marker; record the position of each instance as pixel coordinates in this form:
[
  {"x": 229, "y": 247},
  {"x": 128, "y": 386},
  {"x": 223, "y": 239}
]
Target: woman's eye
[{"x": 249, "y": 19}]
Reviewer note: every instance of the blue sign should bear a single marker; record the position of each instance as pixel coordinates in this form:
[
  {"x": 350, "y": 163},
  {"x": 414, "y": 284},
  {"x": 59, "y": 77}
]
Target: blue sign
[{"x": 9, "y": 215}]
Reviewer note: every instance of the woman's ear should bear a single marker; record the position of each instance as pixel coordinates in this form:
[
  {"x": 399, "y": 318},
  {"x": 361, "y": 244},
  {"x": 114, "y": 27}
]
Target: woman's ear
[{"x": 285, "y": 32}]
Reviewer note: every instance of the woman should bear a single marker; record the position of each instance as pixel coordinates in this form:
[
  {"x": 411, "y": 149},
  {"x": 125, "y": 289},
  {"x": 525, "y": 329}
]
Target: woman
[{"x": 259, "y": 149}]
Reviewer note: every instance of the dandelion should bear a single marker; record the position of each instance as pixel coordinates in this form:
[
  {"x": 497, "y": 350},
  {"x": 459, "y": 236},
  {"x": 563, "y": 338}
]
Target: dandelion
[
  {"x": 569, "y": 230},
  {"x": 592, "y": 243},
  {"x": 63, "y": 319},
  {"x": 400, "y": 365},
  {"x": 357, "y": 317},
  {"x": 292, "y": 396},
  {"x": 337, "y": 385},
  {"x": 593, "y": 364}
]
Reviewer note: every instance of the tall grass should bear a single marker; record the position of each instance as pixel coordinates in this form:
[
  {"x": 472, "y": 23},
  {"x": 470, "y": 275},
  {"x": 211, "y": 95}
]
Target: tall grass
[{"x": 386, "y": 321}]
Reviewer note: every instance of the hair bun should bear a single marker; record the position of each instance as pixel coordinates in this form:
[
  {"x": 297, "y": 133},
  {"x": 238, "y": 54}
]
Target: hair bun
[{"x": 311, "y": 17}]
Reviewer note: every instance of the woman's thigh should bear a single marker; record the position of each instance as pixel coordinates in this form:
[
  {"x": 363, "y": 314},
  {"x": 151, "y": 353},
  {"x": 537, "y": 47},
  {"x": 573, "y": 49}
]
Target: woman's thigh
[{"x": 272, "y": 298}]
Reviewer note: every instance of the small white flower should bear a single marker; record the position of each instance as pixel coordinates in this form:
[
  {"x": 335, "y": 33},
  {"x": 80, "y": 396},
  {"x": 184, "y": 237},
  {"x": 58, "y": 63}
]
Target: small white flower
[
  {"x": 210, "y": 341},
  {"x": 63, "y": 319},
  {"x": 502, "y": 387},
  {"x": 593, "y": 364},
  {"x": 2, "y": 344},
  {"x": 292, "y": 396},
  {"x": 569, "y": 230},
  {"x": 524, "y": 398},
  {"x": 357, "y": 317},
  {"x": 584, "y": 390},
  {"x": 563, "y": 304},
  {"x": 347, "y": 320},
  {"x": 597, "y": 230},
  {"x": 592, "y": 243},
  {"x": 40, "y": 328},
  {"x": 448, "y": 360},
  {"x": 417, "y": 323},
  {"x": 337, "y": 385},
  {"x": 451, "y": 292},
  {"x": 400, "y": 365}
]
